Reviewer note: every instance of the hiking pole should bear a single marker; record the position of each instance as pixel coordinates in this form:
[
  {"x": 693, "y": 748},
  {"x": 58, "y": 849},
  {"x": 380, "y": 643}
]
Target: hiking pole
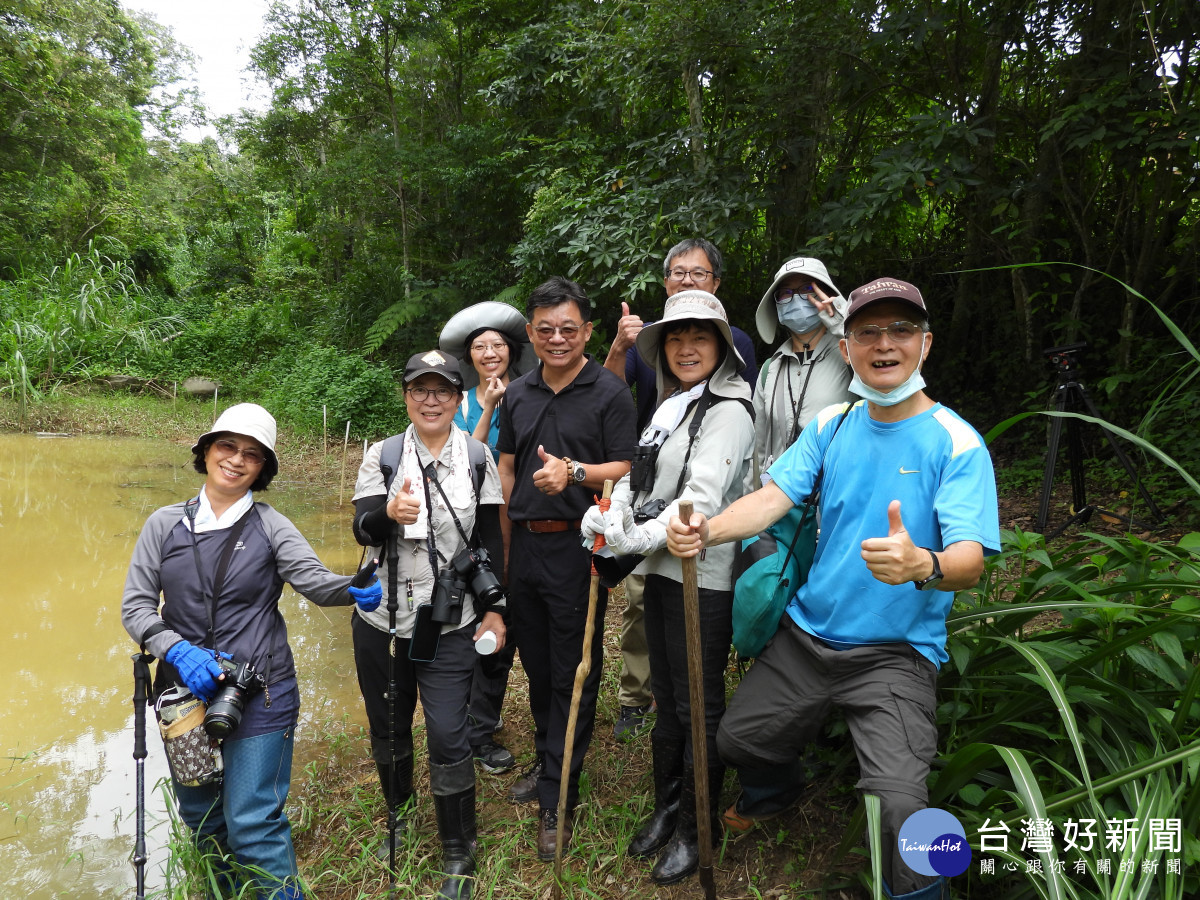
[
  {"x": 691, "y": 627},
  {"x": 393, "y": 604},
  {"x": 581, "y": 673},
  {"x": 141, "y": 693}
]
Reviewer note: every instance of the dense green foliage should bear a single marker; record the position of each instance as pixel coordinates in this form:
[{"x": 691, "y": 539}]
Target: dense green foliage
[
  {"x": 1034, "y": 168},
  {"x": 419, "y": 156}
]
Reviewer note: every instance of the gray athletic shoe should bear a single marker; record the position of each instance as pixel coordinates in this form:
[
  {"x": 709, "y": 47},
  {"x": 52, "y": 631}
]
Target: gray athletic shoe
[{"x": 493, "y": 758}]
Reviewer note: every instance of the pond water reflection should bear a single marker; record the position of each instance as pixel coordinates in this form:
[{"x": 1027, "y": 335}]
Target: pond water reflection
[{"x": 70, "y": 512}]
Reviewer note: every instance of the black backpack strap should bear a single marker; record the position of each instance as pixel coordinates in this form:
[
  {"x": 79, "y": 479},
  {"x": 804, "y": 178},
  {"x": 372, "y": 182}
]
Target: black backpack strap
[
  {"x": 389, "y": 459},
  {"x": 707, "y": 399},
  {"x": 477, "y": 456}
]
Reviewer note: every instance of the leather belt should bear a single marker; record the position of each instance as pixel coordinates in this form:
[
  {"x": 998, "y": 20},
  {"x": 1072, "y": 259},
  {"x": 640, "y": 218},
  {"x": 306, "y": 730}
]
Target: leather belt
[{"x": 549, "y": 526}]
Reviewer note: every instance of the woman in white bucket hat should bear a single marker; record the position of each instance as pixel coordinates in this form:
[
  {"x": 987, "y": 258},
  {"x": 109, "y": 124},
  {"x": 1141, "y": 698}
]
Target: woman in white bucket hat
[{"x": 218, "y": 563}]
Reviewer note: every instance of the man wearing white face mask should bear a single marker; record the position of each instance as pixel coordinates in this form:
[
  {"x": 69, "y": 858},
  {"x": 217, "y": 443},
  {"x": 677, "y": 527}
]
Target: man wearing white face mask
[
  {"x": 806, "y": 373},
  {"x": 908, "y": 512}
]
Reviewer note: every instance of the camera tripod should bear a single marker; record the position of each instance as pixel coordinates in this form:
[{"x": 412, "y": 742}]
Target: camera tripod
[{"x": 1071, "y": 396}]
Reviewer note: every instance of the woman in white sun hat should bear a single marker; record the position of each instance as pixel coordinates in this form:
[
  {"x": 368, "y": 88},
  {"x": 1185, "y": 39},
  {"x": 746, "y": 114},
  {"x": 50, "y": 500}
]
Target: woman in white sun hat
[
  {"x": 697, "y": 446},
  {"x": 217, "y": 563},
  {"x": 806, "y": 372}
]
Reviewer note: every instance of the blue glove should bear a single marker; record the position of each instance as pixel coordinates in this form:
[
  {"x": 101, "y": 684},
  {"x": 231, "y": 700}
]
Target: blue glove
[
  {"x": 197, "y": 667},
  {"x": 368, "y": 597}
]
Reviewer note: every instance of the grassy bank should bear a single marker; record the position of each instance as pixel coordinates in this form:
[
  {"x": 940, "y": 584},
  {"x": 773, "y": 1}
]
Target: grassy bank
[{"x": 336, "y": 807}]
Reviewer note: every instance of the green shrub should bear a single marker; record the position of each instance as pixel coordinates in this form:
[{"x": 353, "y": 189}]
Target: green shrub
[{"x": 306, "y": 384}]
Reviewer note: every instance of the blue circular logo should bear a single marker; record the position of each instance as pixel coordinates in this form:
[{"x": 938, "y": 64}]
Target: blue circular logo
[{"x": 933, "y": 842}]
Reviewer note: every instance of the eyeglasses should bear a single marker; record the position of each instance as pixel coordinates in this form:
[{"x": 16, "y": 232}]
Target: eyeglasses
[
  {"x": 568, "y": 332},
  {"x": 251, "y": 455},
  {"x": 900, "y": 332},
  {"x": 783, "y": 295},
  {"x": 421, "y": 394},
  {"x": 483, "y": 348},
  {"x": 697, "y": 275}
]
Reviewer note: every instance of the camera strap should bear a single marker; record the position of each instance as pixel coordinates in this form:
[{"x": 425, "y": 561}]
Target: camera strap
[
  {"x": 431, "y": 475},
  {"x": 231, "y": 542}
]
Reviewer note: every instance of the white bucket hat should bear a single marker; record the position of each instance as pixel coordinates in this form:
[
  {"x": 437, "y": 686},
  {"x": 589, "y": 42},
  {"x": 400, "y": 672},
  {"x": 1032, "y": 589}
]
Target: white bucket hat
[
  {"x": 698, "y": 305},
  {"x": 490, "y": 315},
  {"x": 766, "y": 318},
  {"x": 249, "y": 420}
]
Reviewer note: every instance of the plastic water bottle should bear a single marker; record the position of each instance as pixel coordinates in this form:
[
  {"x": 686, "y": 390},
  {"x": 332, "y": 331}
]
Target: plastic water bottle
[{"x": 486, "y": 645}]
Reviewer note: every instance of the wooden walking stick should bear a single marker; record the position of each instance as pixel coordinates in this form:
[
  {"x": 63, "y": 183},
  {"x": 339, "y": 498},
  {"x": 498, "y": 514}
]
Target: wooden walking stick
[
  {"x": 581, "y": 673},
  {"x": 691, "y": 627}
]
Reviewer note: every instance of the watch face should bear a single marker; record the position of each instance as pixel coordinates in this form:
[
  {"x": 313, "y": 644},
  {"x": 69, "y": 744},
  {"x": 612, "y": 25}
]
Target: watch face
[{"x": 579, "y": 474}]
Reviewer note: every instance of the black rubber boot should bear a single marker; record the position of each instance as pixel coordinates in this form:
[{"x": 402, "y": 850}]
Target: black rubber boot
[
  {"x": 456, "y": 826},
  {"x": 399, "y": 799},
  {"x": 667, "y": 755},
  {"x": 681, "y": 857}
]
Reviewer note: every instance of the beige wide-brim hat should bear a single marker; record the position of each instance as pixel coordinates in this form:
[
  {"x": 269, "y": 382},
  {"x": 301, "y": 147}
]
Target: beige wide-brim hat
[
  {"x": 249, "y": 420},
  {"x": 686, "y": 305},
  {"x": 766, "y": 318},
  {"x": 490, "y": 315}
]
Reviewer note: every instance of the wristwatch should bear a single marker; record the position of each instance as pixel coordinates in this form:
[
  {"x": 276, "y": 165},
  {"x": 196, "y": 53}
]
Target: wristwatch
[
  {"x": 931, "y": 583},
  {"x": 575, "y": 471}
]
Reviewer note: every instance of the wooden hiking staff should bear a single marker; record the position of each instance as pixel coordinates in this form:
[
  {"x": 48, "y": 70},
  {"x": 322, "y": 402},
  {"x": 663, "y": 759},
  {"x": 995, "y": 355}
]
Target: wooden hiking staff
[
  {"x": 581, "y": 673},
  {"x": 691, "y": 627}
]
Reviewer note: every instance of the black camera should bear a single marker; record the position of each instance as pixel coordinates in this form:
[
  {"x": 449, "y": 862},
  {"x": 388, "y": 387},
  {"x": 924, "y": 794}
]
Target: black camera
[
  {"x": 1064, "y": 357},
  {"x": 645, "y": 461},
  {"x": 474, "y": 565},
  {"x": 225, "y": 712}
]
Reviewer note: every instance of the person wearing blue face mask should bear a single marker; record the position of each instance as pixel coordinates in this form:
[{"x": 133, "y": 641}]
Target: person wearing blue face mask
[{"x": 806, "y": 372}]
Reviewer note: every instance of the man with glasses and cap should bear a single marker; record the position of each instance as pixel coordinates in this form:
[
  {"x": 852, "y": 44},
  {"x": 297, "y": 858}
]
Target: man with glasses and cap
[
  {"x": 908, "y": 507},
  {"x": 694, "y": 264}
]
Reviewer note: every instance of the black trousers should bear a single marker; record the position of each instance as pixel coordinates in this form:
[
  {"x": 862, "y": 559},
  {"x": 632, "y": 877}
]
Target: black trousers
[
  {"x": 442, "y": 685},
  {"x": 666, "y": 636},
  {"x": 548, "y": 581},
  {"x": 489, "y": 684}
]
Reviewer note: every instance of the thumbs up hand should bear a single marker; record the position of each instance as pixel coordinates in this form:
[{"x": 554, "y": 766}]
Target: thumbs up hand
[
  {"x": 405, "y": 505},
  {"x": 628, "y": 328},
  {"x": 895, "y": 559},
  {"x": 552, "y": 477}
]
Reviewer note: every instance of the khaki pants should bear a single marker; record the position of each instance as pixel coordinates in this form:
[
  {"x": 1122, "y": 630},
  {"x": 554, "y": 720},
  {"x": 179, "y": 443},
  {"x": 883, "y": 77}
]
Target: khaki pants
[{"x": 635, "y": 656}]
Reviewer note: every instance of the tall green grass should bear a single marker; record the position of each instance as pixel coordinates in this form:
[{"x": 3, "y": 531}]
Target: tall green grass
[
  {"x": 1072, "y": 694},
  {"x": 88, "y": 310}
]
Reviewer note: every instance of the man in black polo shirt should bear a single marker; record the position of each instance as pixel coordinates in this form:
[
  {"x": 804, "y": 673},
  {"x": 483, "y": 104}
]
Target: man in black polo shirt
[{"x": 565, "y": 428}]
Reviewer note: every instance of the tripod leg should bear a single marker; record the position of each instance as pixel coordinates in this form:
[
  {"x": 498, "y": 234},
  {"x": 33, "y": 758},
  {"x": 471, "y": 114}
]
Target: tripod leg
[
  {"x": 1124, "y": 459},
  {"x": 1051, "y": 458}
]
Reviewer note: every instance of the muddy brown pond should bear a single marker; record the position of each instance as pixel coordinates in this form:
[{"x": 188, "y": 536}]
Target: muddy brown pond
[{"x": 70, "y": 511}]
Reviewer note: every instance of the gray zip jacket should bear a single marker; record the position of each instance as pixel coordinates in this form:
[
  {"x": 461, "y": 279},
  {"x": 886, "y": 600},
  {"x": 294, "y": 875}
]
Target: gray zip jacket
[
  {"x": 249, "y": 625},
  {"x": 721, "y": 457}
]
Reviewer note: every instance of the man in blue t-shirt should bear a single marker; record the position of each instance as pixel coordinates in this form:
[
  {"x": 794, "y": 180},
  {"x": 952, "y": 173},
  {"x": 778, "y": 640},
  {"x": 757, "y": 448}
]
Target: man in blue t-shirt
[{"x": 908, "y": 511}]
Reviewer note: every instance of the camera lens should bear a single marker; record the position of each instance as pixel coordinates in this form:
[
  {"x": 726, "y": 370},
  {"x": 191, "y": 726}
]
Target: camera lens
[{"x": 225, "y": 713}]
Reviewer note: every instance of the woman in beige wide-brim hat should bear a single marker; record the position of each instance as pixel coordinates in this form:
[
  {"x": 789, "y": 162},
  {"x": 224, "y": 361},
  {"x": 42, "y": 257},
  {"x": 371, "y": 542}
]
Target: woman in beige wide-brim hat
[{"x": 698, "y": 446}]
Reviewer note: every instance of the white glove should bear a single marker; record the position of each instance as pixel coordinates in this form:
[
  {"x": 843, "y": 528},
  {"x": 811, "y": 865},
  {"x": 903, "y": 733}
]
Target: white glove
[
  {"x": 626, "y": 537},
  {"x": 621, "y": 495},
  {"x": 592, "y": 524}
]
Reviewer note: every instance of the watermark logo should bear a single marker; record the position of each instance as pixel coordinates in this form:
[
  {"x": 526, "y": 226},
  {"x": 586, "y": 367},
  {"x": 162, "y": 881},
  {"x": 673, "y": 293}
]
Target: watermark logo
[{"x": 933, "y": 842}]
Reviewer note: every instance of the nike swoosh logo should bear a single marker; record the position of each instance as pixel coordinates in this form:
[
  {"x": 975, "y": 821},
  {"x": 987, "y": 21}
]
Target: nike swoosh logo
[{"x": 904, "y": 471}]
